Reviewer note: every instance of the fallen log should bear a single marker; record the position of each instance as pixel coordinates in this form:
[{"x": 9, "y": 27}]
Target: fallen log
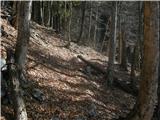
[
  {"x": 98, "y": 69},
  {"x": 131, "y": 89},
  {"x": 14, "y": 88}
]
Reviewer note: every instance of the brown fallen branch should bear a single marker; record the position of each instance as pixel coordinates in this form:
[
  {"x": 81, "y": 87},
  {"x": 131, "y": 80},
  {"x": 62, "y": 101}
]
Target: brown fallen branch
[
  {"x": 133, "y": 90},
  {"x": 14, "y": 89}
]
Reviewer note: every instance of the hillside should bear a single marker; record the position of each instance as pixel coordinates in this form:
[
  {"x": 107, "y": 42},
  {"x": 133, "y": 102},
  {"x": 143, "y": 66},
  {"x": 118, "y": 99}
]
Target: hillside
[{"x": 68, "y": 90}]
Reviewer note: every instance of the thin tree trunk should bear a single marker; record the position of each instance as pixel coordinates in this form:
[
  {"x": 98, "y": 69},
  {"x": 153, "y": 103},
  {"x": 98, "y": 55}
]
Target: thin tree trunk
[
  {"x": 120, "y": 44},
  {"x": 95, "y": 27},
  {"x": 69, "y": 26},
  {"x": 36, "y": 12},
  {"x": 112, "y": 46},
  {"x": 140, "y": 43},
  {"x": 120, "y": 47},
  {"x": 65, "y": 5},
  {"x": 119, "y": 34},
  {"x": 90, "y": 22},
  {"x": 105, "y": 35},
  {"x": 157, "y": 109},
  {"x": 42, "y": 12},
  {"x": 123, "y": 64},
  {"x": 47, "y": 13},
  {"x": 83, "y": 19},
  {"x": 133, "y": 62},
  {"x": 15, "y": 7}
]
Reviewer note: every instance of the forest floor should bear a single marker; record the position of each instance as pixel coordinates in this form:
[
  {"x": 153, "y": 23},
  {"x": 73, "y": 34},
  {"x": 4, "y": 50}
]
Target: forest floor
[{"x": 70, "y": 92}]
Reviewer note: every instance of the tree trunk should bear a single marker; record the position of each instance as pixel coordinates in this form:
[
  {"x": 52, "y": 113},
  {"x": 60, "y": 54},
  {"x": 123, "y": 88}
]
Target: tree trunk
[
  {"x": 69, "y": 25},
  {"x": 65, "y": 21},
  {"x": 82, "y": 21},
  {"x": 112, "y": 46},
  {"x": 105, "y": 36},
  {"x": 120, "y": 46},
  {"x": 36, "y": 12},
  {"x": 133, "y": 62},
  {"x": 95, "y": 27},
  {"x": 123, "y": 64},
  {"x": 14, "y": 88},
  {"x": 148, "y": 85},
  {"x": 15, "y": 7},
  {"x": 141, "y": 32},
  {"x": 42, "y": 12},
  {"x": 90, "y": 21},
  {"x": 23, "y": 32},
  {"x": 47, "y": 13},
  {"x": 157, "y": 109},
  {"x": 131, "y": 89}
]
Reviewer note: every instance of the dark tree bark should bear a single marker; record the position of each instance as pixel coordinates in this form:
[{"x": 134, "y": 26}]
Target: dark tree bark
[
  {"x": 47, "y": 13},
  {"x": 133, "y": 62},
  {"x": 95, "y": 26},
  {"x": 36, "y": 9},
  {"x": 157, "y": 109},
  {"x": 112, "y": 45},
  {"x": 90, "y": 22},
  {"x": 141, "y": 32},
  {"x": 123, "y": 64},
  {"x": 82, "y": 20},
  {"x": 69, "y": 25}
]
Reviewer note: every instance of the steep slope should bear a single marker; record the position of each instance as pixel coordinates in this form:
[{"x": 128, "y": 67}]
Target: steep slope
[{"x": 70, "y": 91}]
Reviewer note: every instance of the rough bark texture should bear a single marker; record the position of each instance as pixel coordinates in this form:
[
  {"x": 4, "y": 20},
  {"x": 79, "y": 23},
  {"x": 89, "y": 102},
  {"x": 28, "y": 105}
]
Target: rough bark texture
[
  {"x": 112, "y": 46},
  {"x": 14, "y": 88},
  {"x": 148, "y": 85},
  {"x": 23, "y": 32}
]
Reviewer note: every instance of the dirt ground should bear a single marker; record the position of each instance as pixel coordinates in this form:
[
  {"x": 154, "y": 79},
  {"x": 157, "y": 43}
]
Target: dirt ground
[{"x": 70, "y": 93}]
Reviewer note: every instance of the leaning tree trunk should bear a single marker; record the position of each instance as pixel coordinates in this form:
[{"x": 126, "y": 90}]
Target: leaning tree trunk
[
  {"x": 112, "y": 46},
  {"x": 148, "y": 85}
]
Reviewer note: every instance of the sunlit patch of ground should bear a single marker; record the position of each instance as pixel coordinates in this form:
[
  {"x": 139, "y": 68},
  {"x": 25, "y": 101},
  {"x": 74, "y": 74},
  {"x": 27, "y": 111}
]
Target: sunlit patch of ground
[{"x": 54, "y": 69}]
